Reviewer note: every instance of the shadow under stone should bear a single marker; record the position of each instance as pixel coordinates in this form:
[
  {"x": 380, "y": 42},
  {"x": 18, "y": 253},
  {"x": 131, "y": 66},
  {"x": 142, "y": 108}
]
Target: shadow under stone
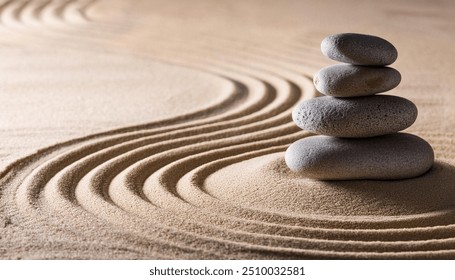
[{"x": 434, "y": 190}]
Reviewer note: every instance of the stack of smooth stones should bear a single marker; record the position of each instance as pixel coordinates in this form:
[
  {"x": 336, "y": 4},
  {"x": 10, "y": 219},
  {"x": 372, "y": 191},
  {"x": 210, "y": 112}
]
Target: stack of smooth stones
[{"x": 359, "y": 128}]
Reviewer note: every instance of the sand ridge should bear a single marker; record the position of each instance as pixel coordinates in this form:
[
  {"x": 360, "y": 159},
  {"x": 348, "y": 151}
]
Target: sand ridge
[{"x": 210, "y": 182}]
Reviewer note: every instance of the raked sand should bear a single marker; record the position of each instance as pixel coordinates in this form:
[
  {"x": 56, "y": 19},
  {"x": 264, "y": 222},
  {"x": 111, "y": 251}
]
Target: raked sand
[{"x": 157, "y": 129}]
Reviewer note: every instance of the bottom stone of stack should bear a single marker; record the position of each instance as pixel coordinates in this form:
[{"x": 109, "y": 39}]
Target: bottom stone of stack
[{"x": 388, "y": 157}]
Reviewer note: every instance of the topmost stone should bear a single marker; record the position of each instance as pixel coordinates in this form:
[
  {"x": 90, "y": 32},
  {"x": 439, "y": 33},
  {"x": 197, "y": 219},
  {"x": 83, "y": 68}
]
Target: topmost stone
[{"x": 359, "y": 49}]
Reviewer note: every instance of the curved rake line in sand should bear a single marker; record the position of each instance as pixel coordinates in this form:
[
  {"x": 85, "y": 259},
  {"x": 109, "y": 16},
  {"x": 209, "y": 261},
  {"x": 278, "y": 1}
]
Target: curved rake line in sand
[
  {"x": 318, "y": 253},
  {"x": 337, "y": 244},
  {"x": 55, "y": 13},
  {"x": 164, "y": 122},
  {"x": 9, "y": 13},
  {"x": 32, "y": 13},
  {"x": 319, "y": 244},
  {"x": 319, "y": 226},
  {"x": 95, "y": 35},
  {"x": 18, "y": 14},
  {"x": 75, "y": 11},
  {"x": 68, "y": 12},
  {"x": 35, "y": 181},
  {"x": 412, "y": 219},
  {"x": 301, "y": 56}
]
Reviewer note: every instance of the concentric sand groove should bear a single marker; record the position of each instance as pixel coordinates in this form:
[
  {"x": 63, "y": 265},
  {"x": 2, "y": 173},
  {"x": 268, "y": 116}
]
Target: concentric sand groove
[
  {"x": 35, "y": 12},
  {"x": 212, "y": 183},
  {"x": 33, "y": 21}
]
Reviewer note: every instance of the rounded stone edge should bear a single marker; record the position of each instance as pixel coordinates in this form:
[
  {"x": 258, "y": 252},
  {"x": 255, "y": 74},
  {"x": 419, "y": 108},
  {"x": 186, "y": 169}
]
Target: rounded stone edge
[
  {"x": 304, "y": 125},
  {"x": 295, "y": 163},
  {"x": 328, "y": 50},
  {"x": 394, "y": 81}
]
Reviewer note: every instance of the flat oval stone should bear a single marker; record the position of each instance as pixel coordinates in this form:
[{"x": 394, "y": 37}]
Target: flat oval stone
[
  {"x": 355, "y": 117},
  {"x": 359, "y": 49},
  {"x": 388, "y": 157},
  {"x": 344, "y": 80}
]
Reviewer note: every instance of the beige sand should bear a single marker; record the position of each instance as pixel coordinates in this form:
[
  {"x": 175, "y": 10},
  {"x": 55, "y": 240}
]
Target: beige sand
[{"x": 157, "y": 129}]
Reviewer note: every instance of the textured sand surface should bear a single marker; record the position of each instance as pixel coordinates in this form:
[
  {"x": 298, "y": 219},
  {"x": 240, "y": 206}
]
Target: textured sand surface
[{"x": 157, "y": 129}]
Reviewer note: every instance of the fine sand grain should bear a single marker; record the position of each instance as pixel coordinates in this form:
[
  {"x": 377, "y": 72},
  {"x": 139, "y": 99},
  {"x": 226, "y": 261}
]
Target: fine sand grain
[{"x": 157, "y": 129}]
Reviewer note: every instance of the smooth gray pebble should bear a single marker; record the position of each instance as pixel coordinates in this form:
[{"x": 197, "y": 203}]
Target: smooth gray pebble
[
  {"x": 344, "y": 80},
  {"x": 355, "y": 117},
  {"x": 388, "y": 157},
  {"x": 359, "y": 49}
]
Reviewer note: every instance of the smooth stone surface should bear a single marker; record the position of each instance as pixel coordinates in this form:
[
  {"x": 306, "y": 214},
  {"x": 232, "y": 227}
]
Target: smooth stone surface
[
  {"x": 359, "y": 49},
  {"x": 344, "y": 80},
  {"x": 388, "y": 157},
  {"x": 355, "y": 117}
]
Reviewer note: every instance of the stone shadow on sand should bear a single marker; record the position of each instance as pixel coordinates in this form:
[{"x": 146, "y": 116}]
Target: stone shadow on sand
[{"x": 434, "y": 190}]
